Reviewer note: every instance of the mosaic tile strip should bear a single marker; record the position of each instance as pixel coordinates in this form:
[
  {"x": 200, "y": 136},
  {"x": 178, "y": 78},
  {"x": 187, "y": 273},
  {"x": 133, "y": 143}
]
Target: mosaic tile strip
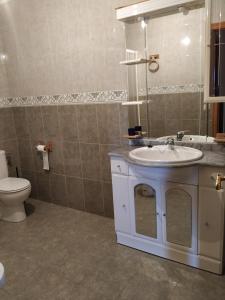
[
  {"x": 95, "y": 97},
  {"x": 76, "y": 98},
  {"x": 173, "y": 89}
]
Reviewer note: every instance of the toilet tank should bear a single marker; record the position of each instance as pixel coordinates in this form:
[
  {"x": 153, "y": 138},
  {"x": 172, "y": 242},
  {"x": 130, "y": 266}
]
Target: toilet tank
[{"x": 3, "y": 165}]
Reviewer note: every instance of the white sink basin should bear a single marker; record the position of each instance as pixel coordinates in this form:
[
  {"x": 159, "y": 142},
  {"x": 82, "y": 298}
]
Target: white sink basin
[
  {"x": 164, "y": 155},
  {"x": 189, "y": 138}
]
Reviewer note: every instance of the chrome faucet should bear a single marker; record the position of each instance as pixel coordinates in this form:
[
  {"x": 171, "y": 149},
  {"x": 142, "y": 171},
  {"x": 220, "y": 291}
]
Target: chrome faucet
[
  {"x": 170, "y": 142},
  {"x": 180, "y": 135}
]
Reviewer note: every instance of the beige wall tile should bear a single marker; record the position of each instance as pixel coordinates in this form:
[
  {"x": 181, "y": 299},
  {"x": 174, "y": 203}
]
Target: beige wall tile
[
  {"x": 72, "y": 161},
  {"x": 79, "y": 175},
  {"x": 59, "y": 47},
  {"x": 58, "y": 189},
  {"x": 93, "y": 197},
  {"x": 75, "y": 192},
  {"x": 90, "y": 156},
  {"x": 109, "y": 123},
  {"x": 43, "y": 187},
  {"x": 87, "y": 123},
  {"x": 108, "y": 199}
]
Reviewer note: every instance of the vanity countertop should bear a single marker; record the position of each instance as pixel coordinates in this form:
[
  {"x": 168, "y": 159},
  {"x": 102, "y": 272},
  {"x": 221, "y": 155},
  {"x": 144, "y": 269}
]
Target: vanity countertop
[{"x": 210, "y": 158}]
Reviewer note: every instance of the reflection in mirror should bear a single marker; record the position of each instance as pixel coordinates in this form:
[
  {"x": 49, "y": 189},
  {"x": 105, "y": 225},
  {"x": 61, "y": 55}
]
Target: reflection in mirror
[
  {"x": 136, "y": 44},
  {"x": 173, "y": 95},
  {"x": 217, "y": 49},
  {"x": 179, "y": 217},
  {"x": 145, "y": 210}
]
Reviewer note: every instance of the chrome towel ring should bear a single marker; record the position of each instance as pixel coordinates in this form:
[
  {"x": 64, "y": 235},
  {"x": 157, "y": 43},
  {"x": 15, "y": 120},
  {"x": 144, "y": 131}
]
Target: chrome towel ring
[{"x": 153, "y": 65}]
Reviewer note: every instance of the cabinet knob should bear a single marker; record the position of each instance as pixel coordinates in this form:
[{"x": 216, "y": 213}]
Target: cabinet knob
[
  {"x": 124, "y": 205},
  {"x": 119, "y": 167},
  {"x": 157, "y": 214},
  {"x": 206, "y": 224},
  {"x": 164, "y": 215}
]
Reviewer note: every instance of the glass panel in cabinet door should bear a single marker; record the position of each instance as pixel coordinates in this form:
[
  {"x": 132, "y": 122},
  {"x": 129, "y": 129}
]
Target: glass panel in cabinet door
[
  {"x": 179, "y": 217},
  {"x": 145, "y": 210}
]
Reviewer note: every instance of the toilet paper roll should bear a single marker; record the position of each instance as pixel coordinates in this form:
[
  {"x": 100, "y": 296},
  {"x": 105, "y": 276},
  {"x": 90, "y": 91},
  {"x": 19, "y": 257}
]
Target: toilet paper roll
[
  {"x": 41, "y": 148},
  {"x": 45, "y": 161}
]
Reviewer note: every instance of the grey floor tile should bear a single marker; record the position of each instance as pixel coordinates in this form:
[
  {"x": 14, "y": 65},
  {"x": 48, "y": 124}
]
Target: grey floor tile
[{"x": 61, "y": 253}]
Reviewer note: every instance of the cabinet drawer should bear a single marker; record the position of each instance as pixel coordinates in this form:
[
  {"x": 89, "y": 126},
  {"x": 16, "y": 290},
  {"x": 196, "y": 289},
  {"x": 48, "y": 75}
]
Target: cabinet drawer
[
  {"x": 186, "y": 175},
  {"x": 207, "y": 176},
  {"x": 119, "y": 166}
]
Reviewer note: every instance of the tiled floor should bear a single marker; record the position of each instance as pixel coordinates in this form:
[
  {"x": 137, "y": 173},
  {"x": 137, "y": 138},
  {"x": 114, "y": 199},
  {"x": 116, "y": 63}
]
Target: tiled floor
[{"x": 60, "y": 253}]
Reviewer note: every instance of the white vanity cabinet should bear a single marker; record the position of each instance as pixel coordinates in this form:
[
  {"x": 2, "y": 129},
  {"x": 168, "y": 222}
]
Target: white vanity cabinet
[
  {"x": 120, "y": 181},
  {"x": 175, "y": 213},
  {"x": 210, "y": 216},
  {"x": 121, "y": 203}
]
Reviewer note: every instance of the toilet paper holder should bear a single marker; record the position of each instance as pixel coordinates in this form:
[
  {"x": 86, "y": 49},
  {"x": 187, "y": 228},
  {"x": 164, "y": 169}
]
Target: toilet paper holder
[
  {"x": 48, "y": 147},
  {"x": 44, "y": 151}
]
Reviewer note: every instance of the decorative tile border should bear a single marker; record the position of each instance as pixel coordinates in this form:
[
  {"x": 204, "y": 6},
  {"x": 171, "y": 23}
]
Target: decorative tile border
[
  {"x": 90, "y": 97},
  {"x": 173, "y": 89},
  {"x": 95, "y": 97}
]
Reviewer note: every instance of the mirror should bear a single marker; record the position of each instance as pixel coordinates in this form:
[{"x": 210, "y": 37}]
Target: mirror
[
  {"x": 215, "y": 49},
  {"x": 179, "y": 217},
  {"x": 145, "y": 210},
  {"x": 169, "y": 88}
]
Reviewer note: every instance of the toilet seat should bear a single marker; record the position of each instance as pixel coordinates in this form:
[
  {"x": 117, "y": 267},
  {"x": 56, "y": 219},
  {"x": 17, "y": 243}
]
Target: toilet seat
[{"x": 13, "y": 185}]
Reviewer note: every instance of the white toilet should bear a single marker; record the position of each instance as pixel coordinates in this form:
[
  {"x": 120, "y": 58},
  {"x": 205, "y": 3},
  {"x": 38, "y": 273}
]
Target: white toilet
[
  {"x": 13, "y": 193},
  {"x": 2, "y": 275}
]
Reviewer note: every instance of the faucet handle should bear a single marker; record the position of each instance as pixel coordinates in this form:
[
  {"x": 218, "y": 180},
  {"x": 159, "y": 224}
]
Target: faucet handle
[
  {"x": 170, "y": 141},
  {"x": 180, "y": 134}
]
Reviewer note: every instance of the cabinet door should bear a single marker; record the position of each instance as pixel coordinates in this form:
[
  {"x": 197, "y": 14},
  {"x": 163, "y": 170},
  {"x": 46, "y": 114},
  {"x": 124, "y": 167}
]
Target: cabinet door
[
  {"x": 180, "y": 216},
  {"x": 211, "y": 222},
  {"x": 121, "y": 203},
  {"x": 145, "y": 201}
]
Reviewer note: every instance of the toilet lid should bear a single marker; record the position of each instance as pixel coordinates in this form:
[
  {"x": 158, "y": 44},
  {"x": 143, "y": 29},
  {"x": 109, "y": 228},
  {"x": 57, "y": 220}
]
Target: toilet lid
[{"x": 11, "y": 184}]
